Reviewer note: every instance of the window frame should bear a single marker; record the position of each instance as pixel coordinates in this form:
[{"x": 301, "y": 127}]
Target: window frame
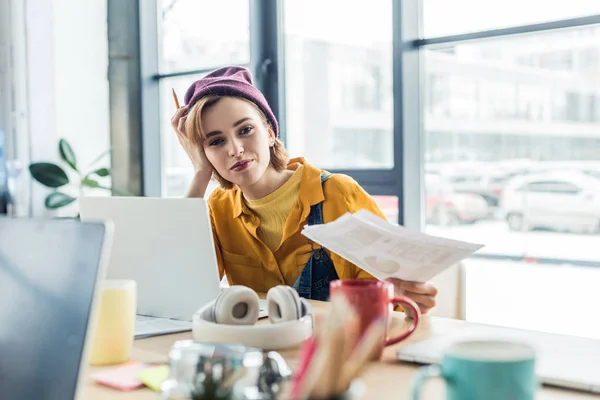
[{"x": 405, "y": 179}]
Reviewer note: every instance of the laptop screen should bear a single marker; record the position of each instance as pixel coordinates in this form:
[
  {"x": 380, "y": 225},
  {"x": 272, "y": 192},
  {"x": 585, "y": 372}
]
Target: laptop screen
[{"x": 48, "y": 272}]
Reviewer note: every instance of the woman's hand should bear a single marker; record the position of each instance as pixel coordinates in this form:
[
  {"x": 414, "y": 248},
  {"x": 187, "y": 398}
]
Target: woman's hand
[
  {"x": 423, "y": 294},
  {"x": 194, "y": 152}
]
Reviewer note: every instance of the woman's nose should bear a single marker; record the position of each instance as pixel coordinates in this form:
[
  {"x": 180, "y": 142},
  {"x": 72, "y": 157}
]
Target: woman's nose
[{"x": 235, "y": 148}]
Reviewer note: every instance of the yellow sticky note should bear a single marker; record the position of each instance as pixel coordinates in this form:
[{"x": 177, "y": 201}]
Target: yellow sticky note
[{"x": 154, "y": 377}]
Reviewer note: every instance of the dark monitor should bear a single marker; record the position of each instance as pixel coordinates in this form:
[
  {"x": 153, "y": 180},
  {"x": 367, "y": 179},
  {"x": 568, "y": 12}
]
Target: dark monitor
[{"x": 49, "y": 270}]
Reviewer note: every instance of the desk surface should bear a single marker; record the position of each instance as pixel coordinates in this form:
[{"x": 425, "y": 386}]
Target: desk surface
[{"x": 385, "y": 379}]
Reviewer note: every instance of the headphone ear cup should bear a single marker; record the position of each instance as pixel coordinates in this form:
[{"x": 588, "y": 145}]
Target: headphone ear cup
[
  {"x": 237, "y": 305},
  {"x": 207, "y": 312},
  {"x": 283, "y": 304},
  {"x": 304, "y": 307}
]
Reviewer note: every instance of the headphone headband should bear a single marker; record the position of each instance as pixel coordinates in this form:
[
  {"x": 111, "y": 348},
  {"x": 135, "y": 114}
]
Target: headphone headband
[{"x": 268, "y": 336}]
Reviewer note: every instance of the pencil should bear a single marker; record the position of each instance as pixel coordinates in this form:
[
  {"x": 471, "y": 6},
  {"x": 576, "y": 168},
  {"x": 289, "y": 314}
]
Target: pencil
[
  {"x": 336, "y": 354},
  {"x": 175, "y": 98},
  {"x": 362, "y": 353},
  {"x": 332, "y": 343},
  {"x": 307, "y": 352}
]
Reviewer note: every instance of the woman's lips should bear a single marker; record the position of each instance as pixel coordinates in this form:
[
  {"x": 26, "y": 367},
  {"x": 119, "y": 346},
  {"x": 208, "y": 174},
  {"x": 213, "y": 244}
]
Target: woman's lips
[{"x": 241, "y": 165}]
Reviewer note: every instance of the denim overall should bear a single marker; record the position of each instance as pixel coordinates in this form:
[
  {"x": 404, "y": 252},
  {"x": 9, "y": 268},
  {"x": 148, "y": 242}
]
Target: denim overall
[{"x": 313, "y": 282}]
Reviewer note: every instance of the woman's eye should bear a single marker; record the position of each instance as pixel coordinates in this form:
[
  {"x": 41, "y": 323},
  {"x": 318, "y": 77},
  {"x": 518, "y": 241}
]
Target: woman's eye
[
  {"x": 215, "y": 142},
  {"x": 245, "y": 130}
]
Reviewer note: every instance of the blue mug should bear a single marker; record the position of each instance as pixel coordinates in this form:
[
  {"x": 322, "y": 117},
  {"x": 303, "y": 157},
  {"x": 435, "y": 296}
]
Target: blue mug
[{"x": 484, "y": 369}]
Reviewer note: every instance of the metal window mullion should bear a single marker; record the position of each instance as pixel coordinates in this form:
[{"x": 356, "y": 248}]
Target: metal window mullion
[
  {"x": 408, "y": 127},
  {"x": 381, "y": 177},
  {"x": 151, "y": 156},
  {"x": 379, "y": 190},
  {"x": 266, "y": 55},
  {"x": 178, "y": 74},
  {"x": 444, "y": 41}
]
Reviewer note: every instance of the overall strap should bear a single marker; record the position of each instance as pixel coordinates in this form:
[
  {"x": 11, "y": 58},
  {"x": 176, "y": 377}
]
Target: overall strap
[
  {"x": 319, "y": 271},
  {"x": 324, "y": 177},
  {"x": 316, "y": 211}
]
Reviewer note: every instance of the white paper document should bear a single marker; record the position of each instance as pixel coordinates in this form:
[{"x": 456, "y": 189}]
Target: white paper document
[{"x": 388, "y": 251}]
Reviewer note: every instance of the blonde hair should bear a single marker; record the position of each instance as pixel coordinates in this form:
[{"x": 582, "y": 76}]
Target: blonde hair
[{"x": 193, "y": 130}]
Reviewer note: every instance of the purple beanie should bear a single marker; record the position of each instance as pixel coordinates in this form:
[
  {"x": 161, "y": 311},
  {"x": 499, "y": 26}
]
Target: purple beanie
[{"x": 230, "y": 81}]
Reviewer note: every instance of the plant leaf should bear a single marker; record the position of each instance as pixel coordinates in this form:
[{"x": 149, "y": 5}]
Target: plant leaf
[
  {"x": 91, "y": 183},
  {"x": 48, "y": 174},
  {"x": 102, "y": 172},
  {"x": 58, "y": 200},
  {"x": 67, "y": 154}
]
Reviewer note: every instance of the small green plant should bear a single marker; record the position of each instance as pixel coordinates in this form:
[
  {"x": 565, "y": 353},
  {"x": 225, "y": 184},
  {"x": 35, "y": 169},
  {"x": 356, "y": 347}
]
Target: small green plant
[{"x": 55, "y": 177}]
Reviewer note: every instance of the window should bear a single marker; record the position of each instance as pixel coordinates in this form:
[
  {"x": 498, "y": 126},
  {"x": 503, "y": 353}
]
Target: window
[
  {"x": 474, "y": 104},
  {"x": 436, "y": 185},
  {"x": 443, "y": 17},
  {"x": 177, "y": 168},
  {"x": 498, "y": 112},
  {"x": 200, "y": 34},
  {"x": 374, "y": 148},
  {"x": 193, "y": 38},
  {"x": 389, "y": 207},
  {"x": 358, "y": 92},
  {"x": 339, "y": 82}
]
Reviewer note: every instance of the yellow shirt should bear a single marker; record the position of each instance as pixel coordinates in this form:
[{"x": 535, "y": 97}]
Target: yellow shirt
[
  {"x": 274, "y": 209},
  {"x": 248, "y": 261}
]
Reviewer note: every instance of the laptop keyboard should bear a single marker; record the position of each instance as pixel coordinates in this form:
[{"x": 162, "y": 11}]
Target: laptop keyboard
[{"x": 146, "y": 326}]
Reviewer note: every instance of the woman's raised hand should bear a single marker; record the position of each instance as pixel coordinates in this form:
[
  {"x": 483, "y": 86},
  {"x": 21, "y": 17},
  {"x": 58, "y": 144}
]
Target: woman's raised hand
[{"x": 194, "y": 151}]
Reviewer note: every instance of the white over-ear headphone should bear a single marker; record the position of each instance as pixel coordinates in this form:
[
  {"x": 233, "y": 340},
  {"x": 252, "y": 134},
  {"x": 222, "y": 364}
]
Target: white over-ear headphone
[{"x": 230, "y": 318}]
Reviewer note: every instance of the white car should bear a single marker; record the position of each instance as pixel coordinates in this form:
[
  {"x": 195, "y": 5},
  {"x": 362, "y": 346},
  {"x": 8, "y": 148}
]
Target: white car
[{"x": 564, "y": 201}]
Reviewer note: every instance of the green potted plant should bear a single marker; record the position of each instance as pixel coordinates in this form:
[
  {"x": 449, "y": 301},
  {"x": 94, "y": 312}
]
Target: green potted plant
[{"x": 65, "y": 189}]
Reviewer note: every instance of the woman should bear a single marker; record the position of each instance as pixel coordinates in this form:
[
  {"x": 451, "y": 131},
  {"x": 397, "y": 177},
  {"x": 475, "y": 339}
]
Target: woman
[{"x": 229, "y": 131}]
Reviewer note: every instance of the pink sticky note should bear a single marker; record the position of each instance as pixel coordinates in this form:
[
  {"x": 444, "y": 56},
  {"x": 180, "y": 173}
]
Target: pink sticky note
[{"x": 121, "y": 378}]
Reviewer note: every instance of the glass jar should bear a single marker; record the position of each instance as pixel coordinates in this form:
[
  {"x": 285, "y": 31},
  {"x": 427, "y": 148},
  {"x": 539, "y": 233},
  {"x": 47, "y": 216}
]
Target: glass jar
[{"x": 224, "y": 372}]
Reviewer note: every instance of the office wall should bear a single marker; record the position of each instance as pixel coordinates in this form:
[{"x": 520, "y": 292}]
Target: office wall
[{"x": 67, "y": 61}]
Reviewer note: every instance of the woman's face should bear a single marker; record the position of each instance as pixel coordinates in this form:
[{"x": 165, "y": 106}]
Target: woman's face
[{"x": 237, "y": 141}]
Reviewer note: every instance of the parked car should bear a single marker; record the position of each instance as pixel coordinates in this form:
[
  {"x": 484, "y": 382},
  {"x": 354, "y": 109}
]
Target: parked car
[
  {"x": 446, "y": 206},
  {"x": 564, "y": 201},
  {"x": 487, "y": 180},
  {"x": 443, "y": 205},
  {"x": 488, "y": 186}
]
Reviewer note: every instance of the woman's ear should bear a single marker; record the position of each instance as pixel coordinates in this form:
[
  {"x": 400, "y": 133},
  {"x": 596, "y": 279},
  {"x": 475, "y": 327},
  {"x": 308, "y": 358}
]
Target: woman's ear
[{"x": 271, "y": 137}]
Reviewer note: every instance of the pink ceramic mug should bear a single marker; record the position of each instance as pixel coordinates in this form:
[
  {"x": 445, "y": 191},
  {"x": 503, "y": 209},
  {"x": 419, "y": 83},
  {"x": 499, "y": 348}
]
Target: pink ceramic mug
[{"x": 374, "y": 300}]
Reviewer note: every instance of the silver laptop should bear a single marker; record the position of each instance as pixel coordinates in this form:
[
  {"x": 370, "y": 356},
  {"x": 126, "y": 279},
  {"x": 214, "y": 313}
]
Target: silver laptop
[
  {"x": 49, "y": 276},
  {"x": 166, "y": 246},
  {"x": 561, "y": 360}
]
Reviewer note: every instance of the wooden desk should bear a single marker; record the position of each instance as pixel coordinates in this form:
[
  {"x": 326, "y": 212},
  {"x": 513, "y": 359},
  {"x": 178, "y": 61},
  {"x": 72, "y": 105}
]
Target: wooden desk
[{"x": 386, "y": 379}]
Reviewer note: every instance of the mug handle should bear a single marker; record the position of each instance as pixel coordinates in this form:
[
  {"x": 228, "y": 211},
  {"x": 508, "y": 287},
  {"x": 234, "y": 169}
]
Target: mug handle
[
  {"x": 405, "y": 302},
  {"x": 426, "y": 372}
]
